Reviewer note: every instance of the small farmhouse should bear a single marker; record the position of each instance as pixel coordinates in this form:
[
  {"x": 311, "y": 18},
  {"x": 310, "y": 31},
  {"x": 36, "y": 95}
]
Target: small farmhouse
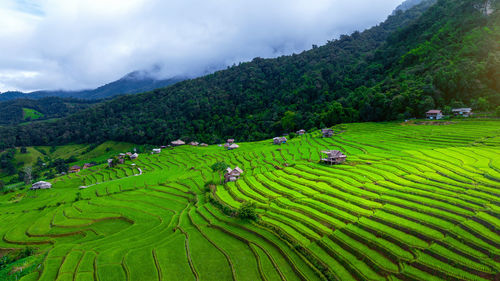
[
  {"x": 434, "y": 114},
  {"x": 333, "y": 157},
  {"x": 301, "y": 132},
  {"x": 279, "y": 140},
  {"x": 134, "y": 156},
  {"x": 156, "y": 150},
  {"x": 327, "y": 133},
  {"x": 464, "y": 112},
  {"x": 110, "y": 162},
  {"x": 233, "y": 175},
  {"x": 230, "y": 141},
  {"x": 203, "y": 144},
  {"x": 232, "y": 146},
  {"x": 194, "y": 143},
  {"x": 41, "y": 185},
  {"x": 75, "y": 169},
  {"x": 178, "y": 143}
]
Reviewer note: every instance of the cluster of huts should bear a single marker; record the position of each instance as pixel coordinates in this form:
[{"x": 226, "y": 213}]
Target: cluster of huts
[
  {"x": 436, "y": 114},
  {"x": 230, "y": 144},
  {"x": 233, "y": 174},
  {"x": 76, "y": 168},
  {"x": 121, "y": 158}
]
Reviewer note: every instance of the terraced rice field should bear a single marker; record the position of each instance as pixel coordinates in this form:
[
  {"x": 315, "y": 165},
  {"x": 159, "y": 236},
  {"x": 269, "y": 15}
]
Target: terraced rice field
[{"x": 411, "y": 203}]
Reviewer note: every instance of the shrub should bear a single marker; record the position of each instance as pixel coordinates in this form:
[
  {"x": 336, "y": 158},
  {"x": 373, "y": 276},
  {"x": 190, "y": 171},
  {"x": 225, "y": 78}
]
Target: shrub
[{"x": 247, "y": 211}]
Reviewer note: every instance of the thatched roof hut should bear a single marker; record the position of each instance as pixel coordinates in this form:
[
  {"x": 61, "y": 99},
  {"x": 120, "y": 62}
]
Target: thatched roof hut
[
  {"x": 333, "y": 156},
  {"x": 178, "y": 142}
]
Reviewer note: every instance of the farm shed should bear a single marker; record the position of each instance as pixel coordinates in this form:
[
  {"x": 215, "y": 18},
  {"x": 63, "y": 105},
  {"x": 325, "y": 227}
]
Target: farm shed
[
  {"x": 233, "y": 175},
  {"x": 333, "y": 157},
  {"x": 279, "y": 140},
  {"x": 178, "y": 143},
  {"x": 75, "y": 169},
  {"x": 41, "y": 185},
  {"x": 156, "y": 150},
  {"x": 230, "y": 141},
  {"x": 194, "y": 143},
  {"x": 231, "y": 146},
  {"x": 464, "y": 112},
  {"x": 301, "y": 132},
  {"x": 327, "y": 133},
  {"x": 434, "y": 114},
  {"x": 134, "y": 156},
  {"x": 203, "y": 144}
]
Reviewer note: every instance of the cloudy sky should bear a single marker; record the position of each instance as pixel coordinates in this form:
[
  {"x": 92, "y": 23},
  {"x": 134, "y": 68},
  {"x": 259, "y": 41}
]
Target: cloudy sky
[{"x": 76, "y": 44}]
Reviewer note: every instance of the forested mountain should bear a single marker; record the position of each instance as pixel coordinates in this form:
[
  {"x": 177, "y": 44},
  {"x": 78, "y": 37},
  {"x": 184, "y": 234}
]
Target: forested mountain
[
  {"x": 132, "y": 83},
  {"x": 429, "y": 56},
  {"x": 408, "y": 4},
  {"x": 14, "y": 111}
]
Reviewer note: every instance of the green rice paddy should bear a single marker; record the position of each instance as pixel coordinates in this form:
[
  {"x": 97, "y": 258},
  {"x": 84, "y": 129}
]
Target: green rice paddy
[{"x": 413, "y": 202}]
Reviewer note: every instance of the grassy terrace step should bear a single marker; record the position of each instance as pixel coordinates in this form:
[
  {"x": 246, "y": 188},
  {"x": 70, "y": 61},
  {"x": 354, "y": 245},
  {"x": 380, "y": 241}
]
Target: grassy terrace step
[{"x": 410, "y": 203}]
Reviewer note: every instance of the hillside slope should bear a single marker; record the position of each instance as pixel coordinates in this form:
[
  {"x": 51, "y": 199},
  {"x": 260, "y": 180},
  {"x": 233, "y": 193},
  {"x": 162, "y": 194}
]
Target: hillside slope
[
  {"x": 425, "y": 57},
  {"x": 414, "y": 201}
]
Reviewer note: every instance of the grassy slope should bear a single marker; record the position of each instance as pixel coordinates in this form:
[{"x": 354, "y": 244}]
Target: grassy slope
[
  {"x": 412, "y": 201},
  {"x": 31, "y": 114}
]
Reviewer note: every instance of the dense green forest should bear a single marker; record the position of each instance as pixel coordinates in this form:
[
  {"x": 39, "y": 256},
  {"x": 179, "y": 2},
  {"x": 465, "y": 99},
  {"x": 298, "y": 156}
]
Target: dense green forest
[
  {"x": 430, "y": 56},
  {"x": 15, "y": 111}
]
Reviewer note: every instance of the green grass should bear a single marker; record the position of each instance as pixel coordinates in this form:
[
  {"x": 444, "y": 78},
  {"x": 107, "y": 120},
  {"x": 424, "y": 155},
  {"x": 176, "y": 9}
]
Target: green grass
[
  {"x": 411, "y": 202},
  {"x": 31, "y": 114}
]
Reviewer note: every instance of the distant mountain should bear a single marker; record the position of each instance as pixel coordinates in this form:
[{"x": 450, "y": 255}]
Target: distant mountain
[
  {"x": 132, "y": 83},
  {"x": 431, "y": 56}
]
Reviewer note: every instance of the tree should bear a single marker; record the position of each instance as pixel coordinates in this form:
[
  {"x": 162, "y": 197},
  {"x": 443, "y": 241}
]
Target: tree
[
  {"x": 28, "y": 176},
  {"x": 288, "y": 121},
  {"x": 23, "y": 150},
  {"x": 497, "y": 111},
  {"x": 60, "y": 165},
  {"x": 2, "y": 186},
  {"x": 247, "y": 211},
  {"x": 219, "y": 167}
]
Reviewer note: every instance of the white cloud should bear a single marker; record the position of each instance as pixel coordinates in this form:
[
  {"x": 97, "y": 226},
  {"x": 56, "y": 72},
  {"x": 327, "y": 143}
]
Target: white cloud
[{"x": 72, "y": 44}]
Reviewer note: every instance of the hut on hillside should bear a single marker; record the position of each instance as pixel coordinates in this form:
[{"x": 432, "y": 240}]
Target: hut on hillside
[
  {"x": 129, "y": 153},
  {"x": 279, "y": 140},
  {"x": 464, "y": 112},
  {"x": 194, "y": 143},
  {"x": 301, "y": 132},
  {"x": 203, "y": 144},
  {"x": 87, "y": 165},
  {"x": 333, "y": 157},
  {"x": 156, "y": 150},
  {"x": 231, "y": 146},
  {"x": 434, "y": 114},
  {"x": 110, "y": 162},
  {"x": 41, "y": 185},
  {"x": 233, "y": 175},
  {"x": 75, "y": 169},
  {"x": 230, "y": 141},
  {"x": 134, "y": 156},
  {"x": 178, "y": 143},
  {"x": 327, "y": 133}
]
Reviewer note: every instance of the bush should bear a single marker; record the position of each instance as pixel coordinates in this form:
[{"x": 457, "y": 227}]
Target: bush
[{"x": 247, "y": 211}]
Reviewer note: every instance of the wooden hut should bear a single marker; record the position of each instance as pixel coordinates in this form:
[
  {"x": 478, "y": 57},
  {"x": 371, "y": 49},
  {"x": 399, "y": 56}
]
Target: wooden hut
[
  {"x": 434, "y": 114},
  {"x": 301, "y": 132},
  {"x": 134, "y": 156},
  {"x": 333, "y": 157},
  {"x": 203, "y": 144},
  {"x": 194, "y": 143},
  {"x": 279, "y": 140},
  {"x": 230, "y": 141},
  {"x": 156, "y": 150},
  {"x": 75, "y": 169},
  {"x": 464, "y": 112},
  {"x": 327, "y": 133},
  {"x": 233, "y": 175},
  {"x": 232, "y": 146}
]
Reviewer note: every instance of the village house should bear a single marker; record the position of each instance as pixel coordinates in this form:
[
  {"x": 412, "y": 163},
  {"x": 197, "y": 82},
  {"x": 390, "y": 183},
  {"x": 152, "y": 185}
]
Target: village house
[
  {"x": 122, "y": 155},
  {"x": 233, "y": 175},
  {"x": 194, "y": 143},
  {"x": 327, "y": 133},
  {"x": 178, "y": 143},
  {"x": 41, "y": 185},
  {"x": 203, "y": 144},
  {"x": 333, "y": 157},
  {"x": 231, "y": 146},
  {"x": 110, "y": 162},
  {"x": 163, "y": 146},
  {"x": 75, "y": 169},
  {"x": 128, "y": 153},
  {"x": 464, "y": 112},
  {"x": 434, "y": 114},
  {"x": 301, "y": 132},
  {"x": 87, "y": 165},
  {"x": 279, "y": 140},
  {"x": 134, "y": 156},
  {"x": 156, "y": 150},
  {"x": 230, "y": 141}
]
